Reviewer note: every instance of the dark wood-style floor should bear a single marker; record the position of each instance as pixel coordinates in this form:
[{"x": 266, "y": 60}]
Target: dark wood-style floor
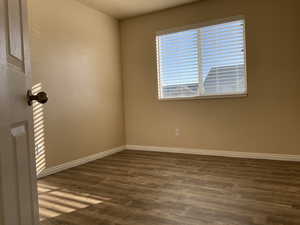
[{"x": 147, "y": 188}]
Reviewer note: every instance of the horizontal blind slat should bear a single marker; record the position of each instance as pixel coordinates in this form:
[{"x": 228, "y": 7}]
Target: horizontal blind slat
[
  {"x": 181, "y": 70},
  {"x": 183, "y": 55},
  {"x": 174, "y": 51}
]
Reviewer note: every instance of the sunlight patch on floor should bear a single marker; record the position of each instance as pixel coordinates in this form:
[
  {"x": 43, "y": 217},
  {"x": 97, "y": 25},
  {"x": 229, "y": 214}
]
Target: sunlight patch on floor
[{"x": 54, "y": 201}]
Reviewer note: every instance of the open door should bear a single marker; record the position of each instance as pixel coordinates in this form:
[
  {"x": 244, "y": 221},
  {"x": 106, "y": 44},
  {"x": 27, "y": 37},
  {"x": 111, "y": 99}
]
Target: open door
[{"x": 18, "y": 187}]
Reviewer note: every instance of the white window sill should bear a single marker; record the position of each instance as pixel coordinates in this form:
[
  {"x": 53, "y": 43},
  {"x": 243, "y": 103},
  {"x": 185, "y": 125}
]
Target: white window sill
[{"x": 204, "y": 97}]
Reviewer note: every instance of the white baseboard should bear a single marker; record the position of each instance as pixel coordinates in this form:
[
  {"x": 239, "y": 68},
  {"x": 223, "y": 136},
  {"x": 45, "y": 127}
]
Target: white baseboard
[
  {"x": 249, "y": 155},
  {"x": 235, "y": 154},
  {"x": 78, "y": 162}
]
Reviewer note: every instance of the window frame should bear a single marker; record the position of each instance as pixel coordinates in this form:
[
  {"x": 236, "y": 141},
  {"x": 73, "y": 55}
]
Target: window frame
[{"x": 195, "y": 26}]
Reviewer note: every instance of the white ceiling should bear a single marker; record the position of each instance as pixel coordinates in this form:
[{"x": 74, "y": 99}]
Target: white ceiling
[{"x": 122, "y": 9}]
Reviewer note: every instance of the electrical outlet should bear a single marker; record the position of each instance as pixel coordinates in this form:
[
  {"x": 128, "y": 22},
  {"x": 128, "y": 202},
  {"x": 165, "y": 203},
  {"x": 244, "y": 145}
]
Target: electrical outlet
[{"x": 177, "y": 132}]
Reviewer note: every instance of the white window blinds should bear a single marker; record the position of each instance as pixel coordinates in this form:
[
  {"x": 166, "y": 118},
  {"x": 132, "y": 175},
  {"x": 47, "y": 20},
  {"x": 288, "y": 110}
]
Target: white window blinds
[{"x": 203, "y": 61}]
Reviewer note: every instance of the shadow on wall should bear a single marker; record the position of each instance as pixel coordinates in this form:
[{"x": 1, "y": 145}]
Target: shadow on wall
[{"x": 39, "y": 131}]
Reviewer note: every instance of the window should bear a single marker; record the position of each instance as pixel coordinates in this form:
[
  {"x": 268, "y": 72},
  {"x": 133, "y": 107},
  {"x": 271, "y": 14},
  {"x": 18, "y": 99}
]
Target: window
[{"x": 202, "y": 61}]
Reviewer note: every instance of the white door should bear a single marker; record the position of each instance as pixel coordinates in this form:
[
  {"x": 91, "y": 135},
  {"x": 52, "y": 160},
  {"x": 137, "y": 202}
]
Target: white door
[{"x": 18, "y": 196}]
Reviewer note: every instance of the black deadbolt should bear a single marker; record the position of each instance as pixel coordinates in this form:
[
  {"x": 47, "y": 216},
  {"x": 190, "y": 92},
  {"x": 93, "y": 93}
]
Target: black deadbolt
[{"x": 41, "y": 97}]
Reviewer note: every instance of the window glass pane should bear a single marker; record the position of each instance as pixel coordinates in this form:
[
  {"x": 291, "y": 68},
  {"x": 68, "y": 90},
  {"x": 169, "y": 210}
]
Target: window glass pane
[
  {"x": 203, "y": 61},
  {"x": 223, "y": 63},
  {"x": 179, "y": 64}
]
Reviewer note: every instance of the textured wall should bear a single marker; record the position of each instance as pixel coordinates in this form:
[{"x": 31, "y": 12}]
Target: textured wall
[
  {"x": 76, "y": 58},
  {"x": 266, "y": 121}
]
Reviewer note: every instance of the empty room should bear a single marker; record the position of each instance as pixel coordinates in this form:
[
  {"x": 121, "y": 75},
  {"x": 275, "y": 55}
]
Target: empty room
[{"x": 138, "y": 112}]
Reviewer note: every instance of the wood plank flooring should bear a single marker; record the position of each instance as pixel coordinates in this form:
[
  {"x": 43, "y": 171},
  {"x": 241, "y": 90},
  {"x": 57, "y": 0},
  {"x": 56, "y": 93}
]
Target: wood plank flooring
[{"x": 148, "y": 188}]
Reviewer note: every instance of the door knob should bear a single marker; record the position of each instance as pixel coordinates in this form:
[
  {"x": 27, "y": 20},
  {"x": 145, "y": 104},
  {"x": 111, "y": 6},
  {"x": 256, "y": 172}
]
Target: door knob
[{"x": 41, "y": 97}]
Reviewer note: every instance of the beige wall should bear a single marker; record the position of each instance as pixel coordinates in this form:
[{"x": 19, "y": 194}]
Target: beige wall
[
  {"x": 75, "y": 55},
  {"x": 266, "y": 121}
]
